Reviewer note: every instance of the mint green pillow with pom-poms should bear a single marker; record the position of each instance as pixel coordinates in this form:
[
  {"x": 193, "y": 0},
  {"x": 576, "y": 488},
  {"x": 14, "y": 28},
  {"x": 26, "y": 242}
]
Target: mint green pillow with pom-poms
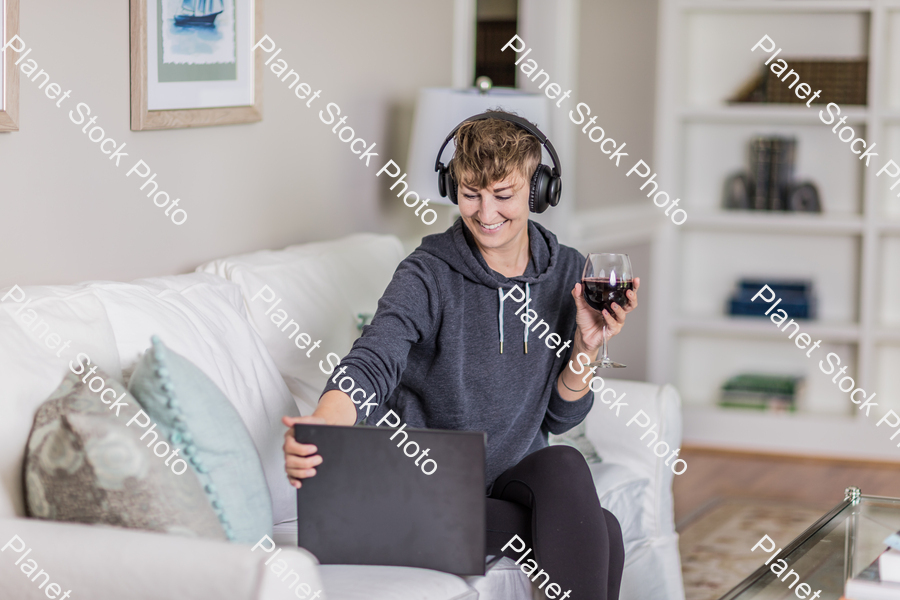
[{"x": 192, "y": 413}]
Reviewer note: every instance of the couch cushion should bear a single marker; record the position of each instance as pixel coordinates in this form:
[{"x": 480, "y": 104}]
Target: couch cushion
[
  {"x": 349, "y": 582},
  {"x": 202, "y": 318},
  {"x": 620, "y": 443},
  {"x": 323, "y": 287},
  {"x": 32, "y": 370},
  {"x": 504, "y": 581},
  {"x": 85, "y": 464},
  {"x": 193, "y": 414},
  {"x": 358, "y": 582},
  {"x": 621, "y": 492}
]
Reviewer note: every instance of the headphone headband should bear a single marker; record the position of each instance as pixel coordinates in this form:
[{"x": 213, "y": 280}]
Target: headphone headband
[{"x": 524, "y": 124}]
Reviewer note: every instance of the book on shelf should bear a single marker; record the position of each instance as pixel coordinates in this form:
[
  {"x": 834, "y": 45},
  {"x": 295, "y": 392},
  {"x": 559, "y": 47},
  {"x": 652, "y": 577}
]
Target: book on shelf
[
  {"x": 781, "y": 172},
  {"x": 889, "y": 565},
  {"x": 769, "y": 184},
  {"x": 797, "y": 298},
  {"x": 869, "y": 585},
  {"x": 760, "y": 172},
  {"x": 775, "y": 393}
]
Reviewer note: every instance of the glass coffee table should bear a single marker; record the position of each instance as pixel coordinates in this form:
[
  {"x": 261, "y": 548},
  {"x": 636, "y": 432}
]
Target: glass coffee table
[{"x": 835, "y": 548}]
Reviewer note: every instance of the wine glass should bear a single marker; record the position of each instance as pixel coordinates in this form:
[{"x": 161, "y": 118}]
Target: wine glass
[{"x": 605, "y": 280}]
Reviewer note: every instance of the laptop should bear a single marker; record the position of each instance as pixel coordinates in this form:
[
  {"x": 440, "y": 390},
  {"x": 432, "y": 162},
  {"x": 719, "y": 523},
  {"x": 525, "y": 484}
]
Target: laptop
[{"x": 371, "y": 504}]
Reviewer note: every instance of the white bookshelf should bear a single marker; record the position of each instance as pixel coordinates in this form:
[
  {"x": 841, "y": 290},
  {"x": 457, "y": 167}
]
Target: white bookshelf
[
  {"x": 765, "y": 222},
  {"x": 851, "y": 251}
]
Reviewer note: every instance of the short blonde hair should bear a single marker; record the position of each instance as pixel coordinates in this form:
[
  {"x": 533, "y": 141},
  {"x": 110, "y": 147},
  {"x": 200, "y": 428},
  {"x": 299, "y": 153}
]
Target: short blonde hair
[{"x": 490, "y": 150}]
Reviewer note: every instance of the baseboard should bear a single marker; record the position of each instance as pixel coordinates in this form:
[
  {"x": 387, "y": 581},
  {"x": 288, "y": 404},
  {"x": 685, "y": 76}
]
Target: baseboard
[
  {"x": 827, "y": 437},
  {"x": 693, "y": 448}
]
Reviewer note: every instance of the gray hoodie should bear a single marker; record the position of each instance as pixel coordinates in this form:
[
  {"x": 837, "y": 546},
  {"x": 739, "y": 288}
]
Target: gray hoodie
[{"x": 432, "y": 351}]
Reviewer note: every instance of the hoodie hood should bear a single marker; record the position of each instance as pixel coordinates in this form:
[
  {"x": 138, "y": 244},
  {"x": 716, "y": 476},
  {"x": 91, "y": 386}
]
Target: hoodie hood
[{"x": 461, "y": 253}]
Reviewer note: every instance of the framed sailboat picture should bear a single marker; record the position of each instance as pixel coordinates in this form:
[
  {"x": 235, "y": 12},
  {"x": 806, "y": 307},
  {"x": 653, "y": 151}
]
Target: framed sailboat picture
[
  {"x": 9, "y": 74},
  {"x": 192, "y": 63}
]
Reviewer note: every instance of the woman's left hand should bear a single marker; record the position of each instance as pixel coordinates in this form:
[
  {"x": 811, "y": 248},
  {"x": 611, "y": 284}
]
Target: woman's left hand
[{"x": 590, "y": 322}]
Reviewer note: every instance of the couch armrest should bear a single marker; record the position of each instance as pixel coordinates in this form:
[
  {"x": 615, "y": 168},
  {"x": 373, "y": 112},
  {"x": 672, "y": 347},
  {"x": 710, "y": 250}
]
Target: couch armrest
[
  {"x": 109, "y": 563},
  {"x": 621, "y": 444}
]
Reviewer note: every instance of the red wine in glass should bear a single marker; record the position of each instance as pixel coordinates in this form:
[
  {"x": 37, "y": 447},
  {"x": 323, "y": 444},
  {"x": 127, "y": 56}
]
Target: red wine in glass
[
  {"x": 605, "y": 280},
  {"x": 600, "y": 294}
]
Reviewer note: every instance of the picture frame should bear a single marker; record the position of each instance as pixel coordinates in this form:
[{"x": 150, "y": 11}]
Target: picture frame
[
  {"x": 178, "y": 77},
  {"x": 9, "y": 74}
]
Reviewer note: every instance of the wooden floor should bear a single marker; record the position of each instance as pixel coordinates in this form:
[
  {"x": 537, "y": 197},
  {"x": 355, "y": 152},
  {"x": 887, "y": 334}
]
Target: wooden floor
[{"x": 720, "y": 474}]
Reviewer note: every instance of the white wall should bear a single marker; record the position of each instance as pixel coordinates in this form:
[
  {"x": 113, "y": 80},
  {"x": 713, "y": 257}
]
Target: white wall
[
  {"x": 617, "y": 79},
  {"x": 550, "y": 28},
  {"x": 69, "y": 215}
]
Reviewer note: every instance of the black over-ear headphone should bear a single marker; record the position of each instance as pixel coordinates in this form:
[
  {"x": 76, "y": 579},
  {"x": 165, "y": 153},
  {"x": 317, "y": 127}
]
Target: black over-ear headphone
[{"x": 546, "y": 183}]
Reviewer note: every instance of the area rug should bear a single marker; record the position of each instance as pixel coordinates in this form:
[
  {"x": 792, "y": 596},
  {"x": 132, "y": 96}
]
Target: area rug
[{"x": 715, "y": 545}]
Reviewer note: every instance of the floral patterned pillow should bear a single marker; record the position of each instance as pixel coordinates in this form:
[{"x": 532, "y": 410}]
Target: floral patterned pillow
[
  {"x": 84, "y": 464},
  {"x": 577, "y": 438}
]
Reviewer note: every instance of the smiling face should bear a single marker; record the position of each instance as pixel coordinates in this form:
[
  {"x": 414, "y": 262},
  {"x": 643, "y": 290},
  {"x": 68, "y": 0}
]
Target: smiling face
[
  {"x": 492, "y": 165},
  {"x": 497, "y": 215}
]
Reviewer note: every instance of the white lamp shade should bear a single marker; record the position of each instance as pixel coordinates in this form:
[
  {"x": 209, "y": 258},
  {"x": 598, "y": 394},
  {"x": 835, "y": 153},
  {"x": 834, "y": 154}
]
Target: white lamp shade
[{"x": 439, "y": 110}]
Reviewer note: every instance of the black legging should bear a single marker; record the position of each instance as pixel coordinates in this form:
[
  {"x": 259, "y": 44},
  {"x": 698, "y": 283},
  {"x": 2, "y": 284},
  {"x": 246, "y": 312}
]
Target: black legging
[{"x": 550, "y": 502}]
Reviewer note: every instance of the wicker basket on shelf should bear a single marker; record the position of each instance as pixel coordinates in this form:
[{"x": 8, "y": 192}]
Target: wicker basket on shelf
[{"x": 841, "y": 81}]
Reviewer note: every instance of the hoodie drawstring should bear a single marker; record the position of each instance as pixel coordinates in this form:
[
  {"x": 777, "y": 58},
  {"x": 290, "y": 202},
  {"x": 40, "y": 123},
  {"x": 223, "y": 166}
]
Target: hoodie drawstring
[
  {"x": 500, "y": 317},
  {"x": 527, "y": 302},
  {"x": 500, "y": 291}
]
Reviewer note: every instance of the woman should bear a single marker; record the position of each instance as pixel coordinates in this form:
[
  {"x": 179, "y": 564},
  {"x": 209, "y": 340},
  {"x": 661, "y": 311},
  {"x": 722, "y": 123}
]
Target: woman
[{"x": 448, "y": 349}]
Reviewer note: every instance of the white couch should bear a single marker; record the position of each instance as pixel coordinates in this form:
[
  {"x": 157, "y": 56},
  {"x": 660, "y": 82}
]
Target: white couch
[{"x": 217, "y": 319}]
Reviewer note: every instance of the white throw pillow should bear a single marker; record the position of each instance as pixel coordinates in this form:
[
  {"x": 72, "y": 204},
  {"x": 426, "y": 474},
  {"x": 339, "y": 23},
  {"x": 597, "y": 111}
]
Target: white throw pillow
[
  {"x": 202, "y": 318},
  {"x": 322, "y": 287}
]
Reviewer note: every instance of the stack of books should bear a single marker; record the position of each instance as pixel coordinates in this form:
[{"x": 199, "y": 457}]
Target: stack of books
[
  {"x": 776, "y": 393},
  {"x": 797, "y": 298},
  {"x": 769, "y": 184}
]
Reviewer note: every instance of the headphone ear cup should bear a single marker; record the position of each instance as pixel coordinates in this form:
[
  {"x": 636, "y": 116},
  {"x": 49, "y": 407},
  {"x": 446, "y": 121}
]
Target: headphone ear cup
[
  {"x": 442, "y": 182},
  {"x": 554, "y": 190},
  {"x": 446, "y": 183},
  {"x": 538, "y": 199},
  {"x": 450, "y": 186}
]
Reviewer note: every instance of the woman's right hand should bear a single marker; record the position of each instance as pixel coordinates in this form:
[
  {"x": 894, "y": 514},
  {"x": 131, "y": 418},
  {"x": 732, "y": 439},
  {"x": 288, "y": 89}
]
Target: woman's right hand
[
  {"x": 300, "y": 460},
  {"x": 335, "y": 408}
]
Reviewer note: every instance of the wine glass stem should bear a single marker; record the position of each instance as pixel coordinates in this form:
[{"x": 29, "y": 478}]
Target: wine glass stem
[{"x": 604, "y": 357}]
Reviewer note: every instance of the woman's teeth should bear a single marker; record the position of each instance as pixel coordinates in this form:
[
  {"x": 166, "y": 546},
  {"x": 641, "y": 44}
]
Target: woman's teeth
[{"x": 492, "y": 227}]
